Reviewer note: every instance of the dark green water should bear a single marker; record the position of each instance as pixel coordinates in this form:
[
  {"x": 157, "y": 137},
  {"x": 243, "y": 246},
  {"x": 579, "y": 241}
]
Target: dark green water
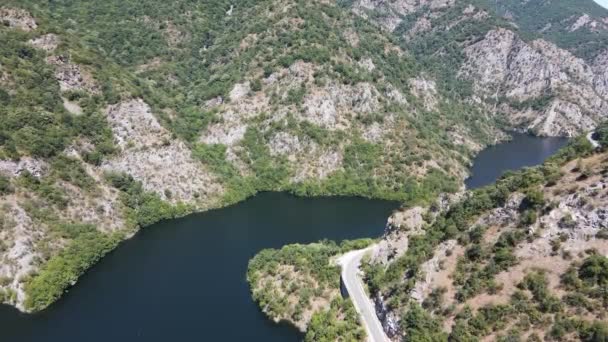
[
  {"x": 523, "y": 150},
  {"x": 184, "y": 280}
]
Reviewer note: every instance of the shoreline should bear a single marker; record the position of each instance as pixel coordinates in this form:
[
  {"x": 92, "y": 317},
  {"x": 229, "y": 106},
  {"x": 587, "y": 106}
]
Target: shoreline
[{"x": 220, "y": 203}]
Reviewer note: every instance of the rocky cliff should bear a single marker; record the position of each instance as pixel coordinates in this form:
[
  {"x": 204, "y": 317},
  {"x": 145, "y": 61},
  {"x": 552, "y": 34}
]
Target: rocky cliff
[
  {"x": 536, "y": 84},
  {"x": 540, "y": 87}
]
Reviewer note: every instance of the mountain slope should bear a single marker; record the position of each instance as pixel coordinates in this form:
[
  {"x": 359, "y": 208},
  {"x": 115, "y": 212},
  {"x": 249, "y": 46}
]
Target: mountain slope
[
  {"x": 180, "y": 108},
  {"x": 521, "y": 259},
  {"x": 542, "y": 82},
  {"x": 578, "y": 26},
  {"x": 508, "y": 261},
  {"x": 117, "y": 114}
]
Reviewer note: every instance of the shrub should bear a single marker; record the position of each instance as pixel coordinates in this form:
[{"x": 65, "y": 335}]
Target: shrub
[
  {"x": 71, "y": 170},
  {"x": 594, "y": 270},
  {"x": 5, "y": 185},
  {"x": 601, "y": 134},
  {"x": 418, "y": 325},
  {"x": 256, "y": 85}
]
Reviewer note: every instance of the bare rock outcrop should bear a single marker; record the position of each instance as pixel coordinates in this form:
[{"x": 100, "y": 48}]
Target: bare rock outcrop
[
  {"x": 408, "y": 222},
  {"x": 310, "y": 160},
  {"x": 400, "y": 227},
  {"x": 585, "y": 21},
  {"x": 389, "y": 14},
  {"x": 233, "y": 120},
  {"x": 425, "y": 90},
  {"x": 239, "y": 91},
  {"x": 600, "y": 69},
  {"x": 503, "y": 65},
  {"x": 72, "y": 77},
  {"x": 48, "y": 42},
  {"x": 17, "y": 18},
  {"x": 571, "y": 225},
  {"x": 388, "y": 318},
  {"x": 421, "y": 25},
  {"x": 35, "y": 167},
  {"x": 289, "y": 145},
  {"x": 101, "y": 207},
  {"x": 435, "y": 273},
  {"x": 330, "y": 107},
  {"x": 150, "y": 155},
  {"x": 18, "y": 237}
]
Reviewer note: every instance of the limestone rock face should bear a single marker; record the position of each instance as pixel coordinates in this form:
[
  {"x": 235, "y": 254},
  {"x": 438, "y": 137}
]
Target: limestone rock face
[
  {"x": 405, "y": 223},
  {"x": 432, "y": 271},
  {"x": 391, "y": 13},
  {"x": 36, "y": 167},
  {"x": 134, "y": 125},
  {"x": 18, "y": 238},
  {"x": 389, "y": 320},
  {"x": 150, "y": 155},
  {"x": 426, "y": 90},
  {"x": 539, "y": 86},
  {"x": 17, "y": 18},
  {"x": 239, "y": 91},
  {"x": 585, "y": 21},
  {"x": 570, "y": 93},
  {"x": 323, "y": 104},
  {"x": 600, "y": 69},
  {"x": 329, "y": 107},
  {"x": 571, "y": 225},
  {"x": 400, "y": 227},
  {"x": 72, "y": 77}
]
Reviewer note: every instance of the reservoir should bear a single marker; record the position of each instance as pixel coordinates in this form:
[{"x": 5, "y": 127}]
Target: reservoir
[
  {"x": 523, "y": 150},
  {"x": 184, "y": 279}
]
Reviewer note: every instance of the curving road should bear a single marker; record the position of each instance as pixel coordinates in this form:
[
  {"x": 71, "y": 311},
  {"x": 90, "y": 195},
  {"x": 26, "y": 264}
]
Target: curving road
[{"x": 350, "y": 277}]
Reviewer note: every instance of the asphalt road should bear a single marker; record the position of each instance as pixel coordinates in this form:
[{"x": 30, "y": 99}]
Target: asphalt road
[{"x": 352, "y": 281}]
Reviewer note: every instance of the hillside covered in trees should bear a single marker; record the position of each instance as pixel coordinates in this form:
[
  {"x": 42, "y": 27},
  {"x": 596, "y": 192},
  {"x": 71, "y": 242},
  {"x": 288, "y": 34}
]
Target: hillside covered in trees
[{"x": 117, "y": 114}]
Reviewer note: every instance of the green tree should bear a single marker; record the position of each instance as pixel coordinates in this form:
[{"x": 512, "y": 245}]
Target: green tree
[
  {"x": 594, "y": 270},
  {"x": 419, "y": 326}
]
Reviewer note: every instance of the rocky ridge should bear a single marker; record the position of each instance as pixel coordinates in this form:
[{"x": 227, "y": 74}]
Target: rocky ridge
[
  {"x": 534, "y": 84},
  {"x": 503, "y": 65}
]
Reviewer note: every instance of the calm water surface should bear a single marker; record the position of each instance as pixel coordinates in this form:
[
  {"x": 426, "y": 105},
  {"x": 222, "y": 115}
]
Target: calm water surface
[
  {"x": 184, "y": 280},
  {"x": 523, "y": 150}
]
